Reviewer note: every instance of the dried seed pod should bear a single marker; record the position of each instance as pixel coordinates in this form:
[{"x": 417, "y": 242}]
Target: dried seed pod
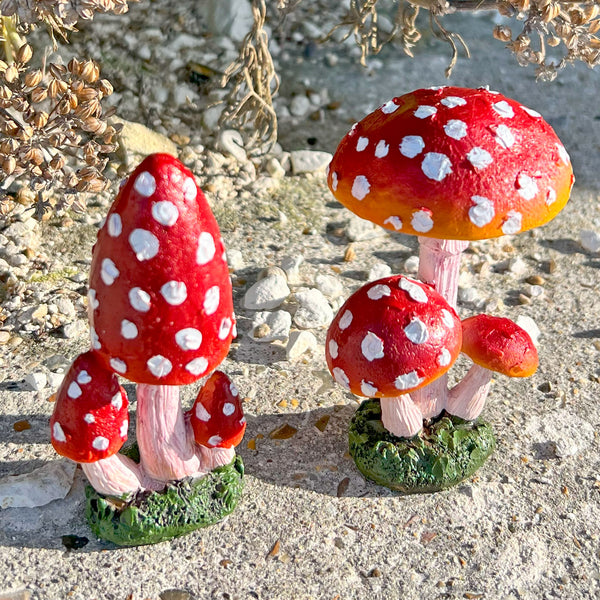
[
  {"x": 5, "y": 92},
  {"x": 553, "y": 41},
  {"x": 39, "y": 119},
  {"x": 591, "y": 11},
  {"x": 9, "y": 164},
  {"x": 502, "y": 33},
  {"x": 105, "y": 87},
  {"x": 550, "y": 12},
  {"x": 74, "y": 66},
  {"x": 57, "y": 163},
  {"x": 87, "y": 93},
  {"x": 57, "y": 71},
  {"x": 87, "y": 109},
  {"x": 24, "y": 54},
  {"x": 8, "y": 146},
  {"x": 11, "y": 74},
  {"x": 39, "y": 94},
  {"x": 594, "y": 27},
  {"x": 90, "y": 72},
  {"x": 57, "y": 87},
  {"x": 94, "y": 125},
  {"x": 33, "y": 78},
  {"x": 35, "y": 156}
]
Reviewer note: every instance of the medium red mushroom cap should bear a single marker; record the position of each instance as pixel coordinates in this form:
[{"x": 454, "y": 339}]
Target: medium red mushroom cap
[
  {"x": 160, "y": 294},
  {"x": 217, "y": 417},
  {"x": 452, "y": 163},
  {"x": 392, "y": 336},
  {"x": 500, "y": 345},
  {"x": 90, "y": 417}
]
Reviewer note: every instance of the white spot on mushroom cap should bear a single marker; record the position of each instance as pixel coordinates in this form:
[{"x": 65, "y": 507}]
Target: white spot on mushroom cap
[
  {"x": 513, "y": 222},
  {"x": 340, "y": 376},
  {"x": 436, "y": 166},
  {"x": 114, "y": 225},
  {"x": 479, "y": 158},
  {"x": 362, "y": 143},
  {"x": 504, "y": 109},
  {"x": 57, "y": 432},
  {"x": 368, "y": 389},
  {"x": 453, "y": 101},
  {"x": 74, "y": 391},
  {"x": 214, "y": 440},
  {"x": 372, "y": 346},
  {"x": 123, "y": 429},
  {"x": 381, "y": 149},
  {"x": 89, "y": 418},
  {"x": 188, "y": 338},
  {"x": 414, "y": 290},
  {"x": 334, "y": 181},
  {"x": 108, "y": 271},
  {"x": 117, "y": 401},
  {"x": 447, "y": 318},
  {"x": 233, "y": 389},
  {"x": 550, "y": 196},
  {"x": 206, "y": 248},
  {"x": 379, "y": 291},
  {"x": 444, "y": 358},
  {"x": 129, "y": 330},
  {"x": 118, "y": 365},
  {"x": 408, "y": 380},
  {"x": 411, "y": 145},
  {"x": 201, "y": 413},
  {"x": 95, "y": 339},
  {"x": 532, "y": 113},
  {"x": 504, "y": 136},
  {"x": 425, "y": 111},
  {"x": 564, "y": 155},
  {"x": 421, "y": 221},
  {"x": 159, "y": 366},
  {"x": 416, "y": 331},
  {"x": 100, "y": 443},
  {"x": 361, "y": 187},
  {"x": 455, "y": 129},
  {"x": 197, "y": 366},
  {"x": 526, "y": 186},
  {"x": 144, "y": 244},
  {"x": 333, "y": 349},
  {"x": 228, "y": 409},
  {"x": 190, "y": 189},
  {"x": 395, "y": 222},
  {"x": 211, "y": 300},
  {"x": 139, "y": 299},
  {"x": 224, "y": 328},
  {"x": 165, "y": 213},
  {"x": 84, "y": 377},
  {"x": 92, "y": 300},
  {"x": 345, "y": 320},
  {"x": 482, "y": 212},
  {"x": 174, "y": 292},
  {"x": 145, "y": 184},
  {"x": 389, "y": 107}
]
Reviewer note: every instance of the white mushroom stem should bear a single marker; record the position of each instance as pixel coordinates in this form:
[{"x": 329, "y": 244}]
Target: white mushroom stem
[
  {"x": 114, "y": 476},
  {"x": 439, "y": 266},
  {"x": 166, "y": 442},
  {"x": 215, "y": 457},
  {"x": 467, "y": 397},
  {"x": 401, "y": 416}
]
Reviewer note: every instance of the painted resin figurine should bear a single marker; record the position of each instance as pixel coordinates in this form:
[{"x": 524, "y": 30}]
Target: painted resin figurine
[
  {"x": 161, "y": 315},
  {"x": 449, "y": 165}
]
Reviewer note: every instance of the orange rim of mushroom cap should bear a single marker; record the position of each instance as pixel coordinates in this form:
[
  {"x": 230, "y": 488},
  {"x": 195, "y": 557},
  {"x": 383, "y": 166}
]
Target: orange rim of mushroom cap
[
  {"x": 499, "y": 344},
  {"x": 452, "y": 163}
]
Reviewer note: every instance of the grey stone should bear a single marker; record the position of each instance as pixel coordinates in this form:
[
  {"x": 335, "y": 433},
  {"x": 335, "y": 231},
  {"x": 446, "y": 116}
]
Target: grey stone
[
  {"x": 65, "y": 307},
  {"x": 568, "y": 433},
  {"x": 291, "y": 266},
  {"x": 211, "y": 116},
  {"x": 271, "y": 326},
  {"x": 313, "y": 309},
  {"x": 309, "y": 161},
  {"x": 74, "y": 329},
  {"x": 329, "y": 285},
  {"x": 359, "y": 230},
  {"x": 299, "y": 343},
  {"x": 267, "y": 293},
  {"x": 235, "y": 259},
  {"x": 300, "y": 105},
  {"x": 379, "y": 271},
  {"x": 411, "y": 265},
  {"x": 36, "y": 380},
  {"x": 589, "y": 240},
  {"x": 54, "y": 380},
  {"x": 231, "y": 18},
  {"x": 274, "y": 168}
]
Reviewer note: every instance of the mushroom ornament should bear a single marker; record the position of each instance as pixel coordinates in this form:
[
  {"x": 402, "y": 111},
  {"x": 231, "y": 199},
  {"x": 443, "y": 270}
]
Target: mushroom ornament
[
  {"x": 451, "y": 165},
  {"x": 161, "y": 315}
]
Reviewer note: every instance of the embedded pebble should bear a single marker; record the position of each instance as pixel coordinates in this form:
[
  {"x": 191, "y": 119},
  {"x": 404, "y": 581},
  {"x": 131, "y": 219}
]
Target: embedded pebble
[
  {"x": 530, "y": 326},
  {"x": 291, "y": 266},
  {"x": 568, "y": 433},
  {"x": 517, "y": 266},
  {"x": 65, "y": 307},
  {"x": 270, "y": 326},
  {"x": 55, "y": 379},
  {"x": 267, "y": 293},
  {"x": 534, "y": 291},
  {"x": 235, "y": 259},
  {"x": 411, "y": 264},
  {"x": 309, "y": 161},
  {"x": 300, "y": 105},
  {"x": 468, "y": 295},
  {"x": 379, "y": 271},
  {"x": 313, "y": 309},
  {"x": 299, "y": 343},
  {"x": 36, "y": 381},
  {"x": 330, "y": 286},
  {"x": 359, "y": 230},
  {"x": 4, "y": 337},
  {"x": 231, "y": 142},
  {"x": 589, "y": 240},
  {"x": 74, "y": 329},
  {"x": 274, "y": 168}
]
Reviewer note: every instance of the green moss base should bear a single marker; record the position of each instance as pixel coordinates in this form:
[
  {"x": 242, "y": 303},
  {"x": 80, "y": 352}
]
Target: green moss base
[
  {"x": 442, "y": 455},
  {"x": 182, "y": 507}
]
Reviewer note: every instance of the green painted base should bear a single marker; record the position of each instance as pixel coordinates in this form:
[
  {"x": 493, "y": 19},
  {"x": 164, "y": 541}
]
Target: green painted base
[
  {"x": 182, "y": 507},
  {"x": 443, "y": 454}
]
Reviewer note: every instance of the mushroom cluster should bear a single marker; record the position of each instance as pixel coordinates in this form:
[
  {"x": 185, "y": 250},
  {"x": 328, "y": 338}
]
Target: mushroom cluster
[
  {"x": 161, "y": 315},
  {"x": 449, "y": 165}
]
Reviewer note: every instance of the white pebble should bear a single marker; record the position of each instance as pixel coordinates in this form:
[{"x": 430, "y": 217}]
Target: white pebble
[
  {"x": 411, "y": 264},
  {"x": 291, "y": 266},
  {"x": 36, "y": 381},
  {"x": 299, "y": 343},
  {"x": 379, "y": 271},
  {"x": 589, "y": 240},
  {"x": 267, "y": 293},
  {"x": 309, "y": 161},
  {"x": 330, "y": 286},
  {"x": 313, "y": 309},
  {"x": 278, "y": 323},
  {"x": 530, "y": 326},
  {"x": 300, "y": 105}
]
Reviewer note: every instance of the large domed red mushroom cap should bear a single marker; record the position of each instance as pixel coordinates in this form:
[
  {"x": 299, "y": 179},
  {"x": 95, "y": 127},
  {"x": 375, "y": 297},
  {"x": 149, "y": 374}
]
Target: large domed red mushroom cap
[
  {"x": 392, "y": 336},
  {"x": 160, "y": 294},
  {"x": 217, "y": 417},
  {"x": 500, "y": 345},
  {"x": 90, "y": 417},
  {"x": 452, "y": 163}
]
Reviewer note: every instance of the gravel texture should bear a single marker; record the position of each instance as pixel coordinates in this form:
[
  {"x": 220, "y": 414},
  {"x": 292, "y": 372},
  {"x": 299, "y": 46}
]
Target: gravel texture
[{"x": 526, "y": 526}]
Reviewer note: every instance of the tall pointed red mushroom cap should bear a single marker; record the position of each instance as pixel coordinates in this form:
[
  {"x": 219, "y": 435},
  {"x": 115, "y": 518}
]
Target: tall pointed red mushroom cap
[
  {"x": 392, "y": 336},
  {"x": 90, "y": 417},
  {"x": 217, "y": 417},
  {"x": 160, "y": 295},
  {"x": 452, "y": 163},
  {"x": 500, "y": 345}
]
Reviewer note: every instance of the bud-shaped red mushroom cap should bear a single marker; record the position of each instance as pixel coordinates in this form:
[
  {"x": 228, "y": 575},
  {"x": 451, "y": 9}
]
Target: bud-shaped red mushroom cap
[
  {"x": 160, "y": 295},
  {"x": 452, "y": 163},
  {"x": 499, "y": 344},
  {"x": 90, "y": 417},
  {"x": 217, "y": 417},
  {"x": 392, "y": 336}
]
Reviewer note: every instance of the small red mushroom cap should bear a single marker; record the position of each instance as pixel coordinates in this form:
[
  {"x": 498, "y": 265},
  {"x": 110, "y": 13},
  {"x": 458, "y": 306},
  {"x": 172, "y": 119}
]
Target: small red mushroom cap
[
  {"x": 90, "y": 418},
  {"x": 217, "y": 417},
  {"x": 499, "y": 344},
  {"x": 392, "y": 336},
  {"x": 160, "y": 294},
  {"x": 452, "y": 163}
]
